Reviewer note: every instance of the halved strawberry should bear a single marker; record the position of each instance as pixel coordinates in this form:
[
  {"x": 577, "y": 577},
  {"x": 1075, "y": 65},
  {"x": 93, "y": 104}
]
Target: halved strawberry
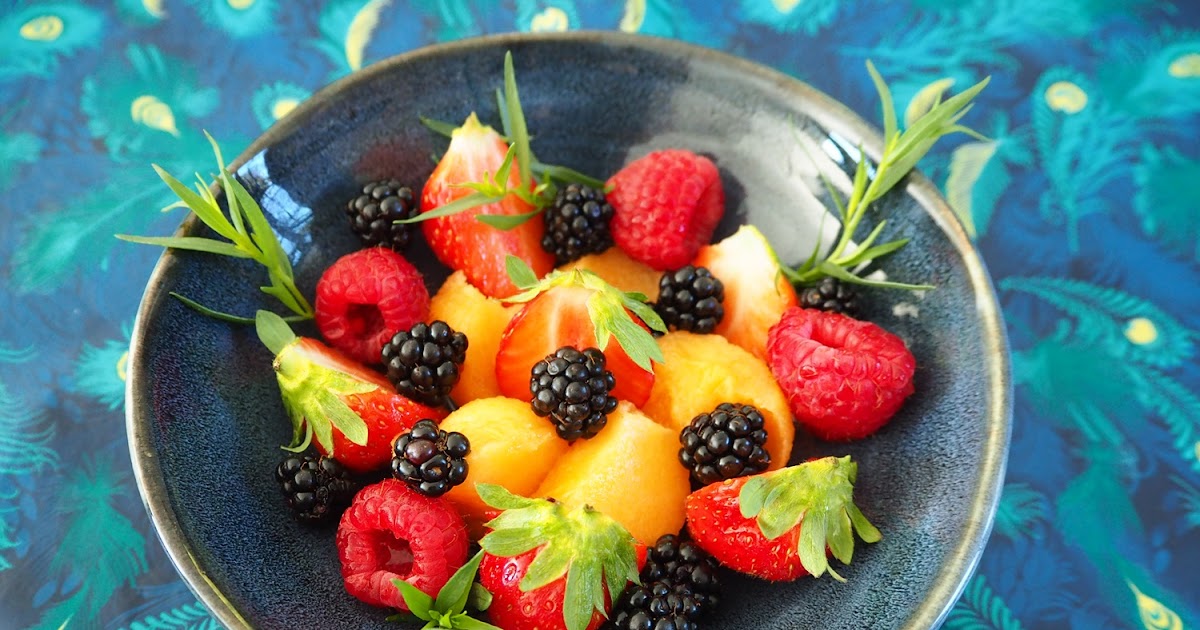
[
  {"x": 351, "y": 410},
  {"x": 556, "y": 318},
  {"x": 783, "y": 524},
  {"x": 460, "y": 240},
  {"x": 756, "y": 292}
]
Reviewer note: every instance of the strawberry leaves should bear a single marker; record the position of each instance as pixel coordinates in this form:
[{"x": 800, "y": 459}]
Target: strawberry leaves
[
  {"x": 246, "y": 228},
  {"x": 609, "y": 309},
  {"x": 901, "y": 152},
  {"x": 449, "y": 609},
  {"x": 818, "y": 497},
  {"x": 312, "y": 393},
  {"x": 590, "y": 549}
]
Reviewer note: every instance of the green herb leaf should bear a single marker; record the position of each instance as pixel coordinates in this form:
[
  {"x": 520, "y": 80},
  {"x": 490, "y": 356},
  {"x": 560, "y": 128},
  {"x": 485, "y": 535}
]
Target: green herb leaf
[
  {"x": 462, "y": 204},
  {"x": 467, "y": 623},
  {"x": 439, "y": 127},
  {"x": 452, "y": 598},
  {"x": 419, "y": 603},
  {"x": 902, "y": 149},
  {"x": 516, "y": 122},
  {"x": 260, "y": 243},
  {"x": 273, "y": 331},
  {"x": 565, "y": 174},
  {"x": 818, "y": 497},
  {"x": 479, "y": 598},
  {"x": 506, "y": 221},
  {"x": 522, "y": 276},
  {"x": 590, "y": 549}
]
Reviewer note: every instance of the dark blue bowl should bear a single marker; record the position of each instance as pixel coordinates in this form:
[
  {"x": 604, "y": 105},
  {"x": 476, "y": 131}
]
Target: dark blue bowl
[{"x": 205, "y": 419}]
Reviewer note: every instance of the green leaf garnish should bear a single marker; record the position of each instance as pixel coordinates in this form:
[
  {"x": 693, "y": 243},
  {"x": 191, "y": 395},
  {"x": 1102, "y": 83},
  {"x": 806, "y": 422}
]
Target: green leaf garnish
[
  {"x": 313, "y": 393},
  {"x": 930, "y": 120},
  {"x": 593, "y": 551},
  {"x": 608, "y": 308},
  {"x": 818, "y": 495},
  {"x": 246, "y": 228},
  {"x": 448, "y": 610}
]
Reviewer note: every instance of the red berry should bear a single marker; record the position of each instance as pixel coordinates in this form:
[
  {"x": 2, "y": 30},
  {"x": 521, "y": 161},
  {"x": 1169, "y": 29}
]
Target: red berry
[
  {"x": 666, "y": 206},
  {"x": 391, "y": 531},
  {"x": 366, "y": 297},
  {"x": 715, "y": 522},
  {"x": 844, "y": 378}
]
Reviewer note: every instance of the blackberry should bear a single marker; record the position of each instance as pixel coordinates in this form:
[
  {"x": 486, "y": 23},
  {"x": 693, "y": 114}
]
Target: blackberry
[
  {"x": 830, "y": 294},
  {"x": 724, "y": 443},
  {"x": 317, "y": 489},
  {"x": 572, "y": 387},
  {"x": 374, "y": 212},
  {"x": 577, "y": 223},
  {"x": 690, "y": 299},
  {"x": 423, "y": 362},
  {"x": 679, "y": 584},
  {"x": 429, "y": 460}
]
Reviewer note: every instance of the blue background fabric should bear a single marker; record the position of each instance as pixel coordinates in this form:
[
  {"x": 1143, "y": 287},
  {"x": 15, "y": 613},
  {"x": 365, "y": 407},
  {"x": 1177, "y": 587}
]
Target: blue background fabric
[{"x": 1085, "y": 202}]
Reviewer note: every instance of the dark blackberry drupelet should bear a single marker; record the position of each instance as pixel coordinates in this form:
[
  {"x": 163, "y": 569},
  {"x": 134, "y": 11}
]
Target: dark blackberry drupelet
[
  {"x": 374, "y": 212},
  {"x": 429, "y": 460},
  {"x": 317, "y": 489},
  {"x": 423, "y": 362},
  {"x": 830, "y": 294},
  {"x": 679, "y": 584},
  {"x": 572, "y": 388},
  {"x": 724, "y": 443},
  {"x": 577, "y": 223},
  {"x": 690, "y": 298}
]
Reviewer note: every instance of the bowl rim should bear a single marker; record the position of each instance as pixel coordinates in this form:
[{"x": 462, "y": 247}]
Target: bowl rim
[{"x": 961, "y": 561}]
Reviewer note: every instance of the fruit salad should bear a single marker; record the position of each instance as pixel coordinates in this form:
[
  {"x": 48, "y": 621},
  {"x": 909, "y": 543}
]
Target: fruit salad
[{"x": 592, "y": 419}]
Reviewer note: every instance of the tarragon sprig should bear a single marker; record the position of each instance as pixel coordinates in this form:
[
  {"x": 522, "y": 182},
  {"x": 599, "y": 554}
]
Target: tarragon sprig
[
  {"x": 608, "y": 308},
  {"x": 448, "y": 610},
  {"x": 901, "y": 152},
  {"x": 816, "y": 496},
  {"x": 495, "y": 187},
  {"x": 594, "y": 552},
  {"x": 246, "y": 227}
]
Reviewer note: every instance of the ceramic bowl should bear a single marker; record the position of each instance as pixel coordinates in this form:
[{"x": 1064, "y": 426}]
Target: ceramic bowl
[{"x": 204, "y": 414}]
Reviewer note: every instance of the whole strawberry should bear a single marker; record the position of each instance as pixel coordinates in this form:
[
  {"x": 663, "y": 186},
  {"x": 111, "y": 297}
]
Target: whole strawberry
[
  {"x": 534, "y": 545},
  {"x": 781, "y": 525},
  {"x": 367, "y": 296},
  {"x": 349, "y": 411},
  {"x": 844, "y": 378},
  {"x": 665, "y": 207}
]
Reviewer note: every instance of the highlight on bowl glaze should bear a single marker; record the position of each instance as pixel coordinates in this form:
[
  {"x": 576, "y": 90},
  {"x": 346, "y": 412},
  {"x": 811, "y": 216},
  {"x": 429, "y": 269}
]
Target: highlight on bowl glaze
[{"x": 200, "y": 390}]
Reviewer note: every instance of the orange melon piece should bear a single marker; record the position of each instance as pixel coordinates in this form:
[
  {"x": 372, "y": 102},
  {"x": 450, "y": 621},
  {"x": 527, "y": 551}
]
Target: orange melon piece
[
  {"x": 756, "y": 292},
  {"x": 703, "y": 371},
  {"x": 482, "y": 319},
  {"x": 630, "y": 471},
  {"x": 510, "y": 446},
  {"x": 621, "y": 271}
]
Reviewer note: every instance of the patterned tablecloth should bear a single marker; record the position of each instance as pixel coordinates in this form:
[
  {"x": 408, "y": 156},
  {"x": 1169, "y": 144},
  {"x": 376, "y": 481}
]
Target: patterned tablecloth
[{"x": 1085, "y": 203}]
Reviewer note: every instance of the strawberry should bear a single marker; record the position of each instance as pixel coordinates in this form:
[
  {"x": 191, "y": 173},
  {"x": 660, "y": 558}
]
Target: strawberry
[
  {"x": 844, "y": 378},
  {"x": 556, "y": 318},
  {"x": 463, "y": 242},
  {"x": 532, "y": 548},
  {"x": 351, "y": 410},
  {"x": 781, "y": 525},
  {"x": 391, "y": 532},
  {"x": 666, "y": 205},
  {"x": 367, "y": 296},
  {"x": 756, "y": 292}
]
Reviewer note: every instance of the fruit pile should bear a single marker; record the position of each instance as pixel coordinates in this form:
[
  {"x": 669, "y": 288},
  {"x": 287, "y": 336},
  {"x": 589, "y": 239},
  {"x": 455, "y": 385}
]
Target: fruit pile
[{"x": 599, "y": 397}]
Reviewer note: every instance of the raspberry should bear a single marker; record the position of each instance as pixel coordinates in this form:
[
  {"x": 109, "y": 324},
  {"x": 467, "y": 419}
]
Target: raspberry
[
  {"x": 366, "y": 297},
  {"x": 373, "y": 214},
  {"x": 391, "y": 531},
  {"x": 666, "y": 206},
  {"x": 844, "y": 378}
]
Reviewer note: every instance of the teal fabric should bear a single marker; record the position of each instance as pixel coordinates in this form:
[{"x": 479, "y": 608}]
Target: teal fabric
[{"x": 1084, "y": 202}]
